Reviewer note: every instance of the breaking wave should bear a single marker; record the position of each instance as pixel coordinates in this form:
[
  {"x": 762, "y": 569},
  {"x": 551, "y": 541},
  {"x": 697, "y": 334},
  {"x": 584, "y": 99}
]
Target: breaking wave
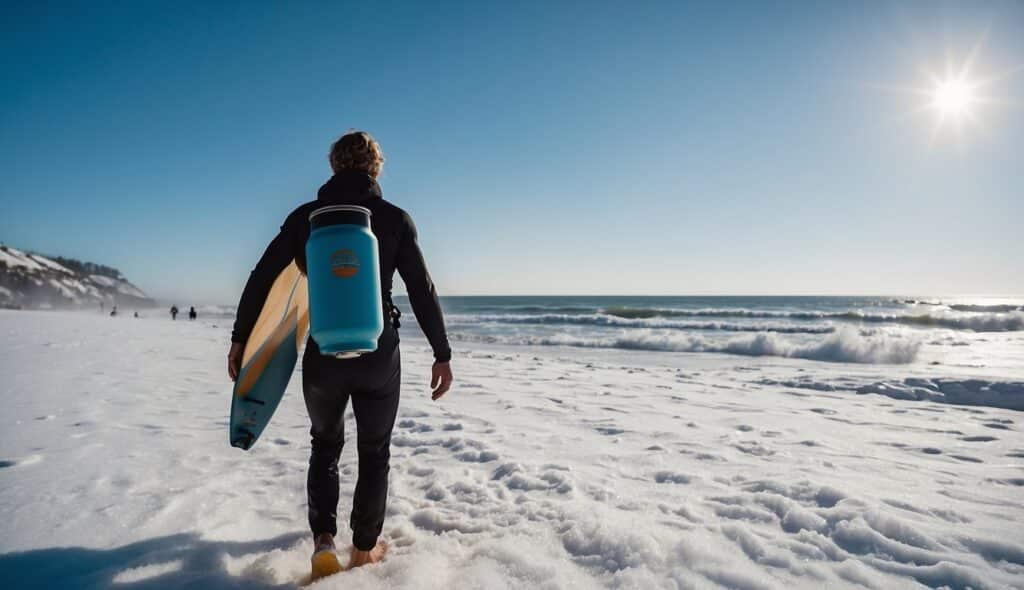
[
  {"x": 544, "y": 309},
  {"x": 978, "y": 322},
  {"x": 214, "y": 310},
  {"x": 843, "y": 346},
  {"x": 621, "y": 322},
  {"x": 985, "y": 308}
]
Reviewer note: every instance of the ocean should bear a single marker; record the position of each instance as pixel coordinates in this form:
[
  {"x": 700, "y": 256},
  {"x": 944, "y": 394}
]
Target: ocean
[
  {"x": 878, "y": 330},
  {"x": 964, "y": 332}
]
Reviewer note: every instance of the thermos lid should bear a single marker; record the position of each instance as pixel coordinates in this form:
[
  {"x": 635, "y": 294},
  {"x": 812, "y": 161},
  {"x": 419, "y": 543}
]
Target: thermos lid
[
  {"x": 339, "y": 215},
  {"x": 340, "y": 208}
]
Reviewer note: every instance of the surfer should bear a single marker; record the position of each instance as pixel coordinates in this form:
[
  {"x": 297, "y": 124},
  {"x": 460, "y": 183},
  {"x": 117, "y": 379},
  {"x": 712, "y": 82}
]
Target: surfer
[
  {"x": 372, "y": 380},
  {"x": 174, "y": 312},
  {"x": 192, "y": 313}
]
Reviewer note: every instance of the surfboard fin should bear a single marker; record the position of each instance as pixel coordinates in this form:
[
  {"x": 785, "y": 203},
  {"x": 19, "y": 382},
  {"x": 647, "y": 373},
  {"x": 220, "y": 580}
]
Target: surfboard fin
[{"x": 243, "y": 439}]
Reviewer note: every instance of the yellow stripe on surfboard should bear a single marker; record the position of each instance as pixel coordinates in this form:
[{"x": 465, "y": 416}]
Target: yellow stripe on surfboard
[{"x": 285, "y": 309}]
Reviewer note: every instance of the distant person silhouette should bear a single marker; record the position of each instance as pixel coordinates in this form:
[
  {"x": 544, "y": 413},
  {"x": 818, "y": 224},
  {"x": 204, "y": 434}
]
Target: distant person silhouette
[
  {"x": 113, "y": 311},
  {"x": 192, "y": 313},
  {"x": 174, "y": 312}
]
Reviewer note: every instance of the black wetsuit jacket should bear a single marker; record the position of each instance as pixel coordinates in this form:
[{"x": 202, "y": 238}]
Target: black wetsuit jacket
[{"x": 396, "y": 238}]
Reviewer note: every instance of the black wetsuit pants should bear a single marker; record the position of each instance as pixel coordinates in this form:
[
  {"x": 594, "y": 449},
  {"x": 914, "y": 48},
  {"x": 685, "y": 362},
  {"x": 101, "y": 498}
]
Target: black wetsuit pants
[{"x": 372, "y": 381}]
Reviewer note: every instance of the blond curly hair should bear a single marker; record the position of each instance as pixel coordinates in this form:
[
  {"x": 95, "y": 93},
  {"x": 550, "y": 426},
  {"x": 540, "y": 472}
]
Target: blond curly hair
[{"x": 356, "y": 150}]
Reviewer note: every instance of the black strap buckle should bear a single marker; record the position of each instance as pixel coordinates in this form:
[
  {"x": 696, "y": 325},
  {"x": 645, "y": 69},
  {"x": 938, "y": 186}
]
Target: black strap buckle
[{"x": 394, "y": 313}]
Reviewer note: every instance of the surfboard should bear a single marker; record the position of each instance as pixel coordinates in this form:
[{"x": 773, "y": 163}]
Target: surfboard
[{"x": 269, "y": 358}]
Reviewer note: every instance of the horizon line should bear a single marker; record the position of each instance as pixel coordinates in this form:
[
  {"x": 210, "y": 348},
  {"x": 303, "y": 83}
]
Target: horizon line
[{"x": 734, "y": 295}]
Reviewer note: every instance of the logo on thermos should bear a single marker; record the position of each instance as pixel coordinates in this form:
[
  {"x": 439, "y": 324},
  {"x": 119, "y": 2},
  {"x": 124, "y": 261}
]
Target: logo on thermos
[{"x": 344, "y": 263}]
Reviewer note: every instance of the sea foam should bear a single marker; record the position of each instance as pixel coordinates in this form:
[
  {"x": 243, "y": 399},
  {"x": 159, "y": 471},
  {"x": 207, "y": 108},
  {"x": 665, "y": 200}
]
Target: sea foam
[
  {"x": 976, "y": 321},
  {"x": 998, "y": 308},
  {"x": 843, "y": 346},
  {"x": 600, "y": 319}
]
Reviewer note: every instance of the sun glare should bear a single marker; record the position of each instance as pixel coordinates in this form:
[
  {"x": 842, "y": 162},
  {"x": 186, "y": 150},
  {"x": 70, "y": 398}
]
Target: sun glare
[
  {"x": 957, "y": 98},
  {"x": 953, "y": 97}
]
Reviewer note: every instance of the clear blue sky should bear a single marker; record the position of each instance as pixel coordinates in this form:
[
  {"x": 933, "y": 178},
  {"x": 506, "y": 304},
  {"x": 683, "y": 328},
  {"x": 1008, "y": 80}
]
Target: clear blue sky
[{"x": 548, "y": 148}]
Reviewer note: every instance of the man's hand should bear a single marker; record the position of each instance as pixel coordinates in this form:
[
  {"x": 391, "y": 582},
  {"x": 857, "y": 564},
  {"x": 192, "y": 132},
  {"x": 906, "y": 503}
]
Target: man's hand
[
  {"x": 440, "y": 379},
  {"x": 235, "y": 359}
]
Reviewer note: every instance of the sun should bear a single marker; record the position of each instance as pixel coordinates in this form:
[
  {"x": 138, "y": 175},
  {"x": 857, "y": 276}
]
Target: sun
[
  {"x": 960, "y": 98},
  {"x": 954, "y": 98}
]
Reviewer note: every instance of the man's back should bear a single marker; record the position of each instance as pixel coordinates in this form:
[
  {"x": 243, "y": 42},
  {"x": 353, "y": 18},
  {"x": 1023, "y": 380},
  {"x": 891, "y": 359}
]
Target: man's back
[{"x": 397, "y": 243}]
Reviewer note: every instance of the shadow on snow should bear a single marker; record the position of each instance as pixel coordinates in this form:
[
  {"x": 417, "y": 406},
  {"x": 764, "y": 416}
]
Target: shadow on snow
[{"x": 202, "y": 564}]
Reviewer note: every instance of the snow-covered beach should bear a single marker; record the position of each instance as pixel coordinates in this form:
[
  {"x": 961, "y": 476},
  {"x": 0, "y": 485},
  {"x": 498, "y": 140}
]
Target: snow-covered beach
[{"x": 547, "y": 466}]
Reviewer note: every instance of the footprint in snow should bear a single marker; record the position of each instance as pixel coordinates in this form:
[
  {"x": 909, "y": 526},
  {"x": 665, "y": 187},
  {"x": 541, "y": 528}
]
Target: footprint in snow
[
  {"x": 672, "y": 477},
  {"x": 477, "y": 456},
  {"x": 559, "y": 481},
  {"x": 753, "y": 448},
  {"x": 31, "y": 459},
  {"x": 999, "y": 420},
  {"x": 414, "y": 426}
]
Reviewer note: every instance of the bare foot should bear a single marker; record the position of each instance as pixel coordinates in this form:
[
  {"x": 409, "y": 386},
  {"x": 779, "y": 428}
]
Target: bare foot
[{"x": 375, "y": 555}]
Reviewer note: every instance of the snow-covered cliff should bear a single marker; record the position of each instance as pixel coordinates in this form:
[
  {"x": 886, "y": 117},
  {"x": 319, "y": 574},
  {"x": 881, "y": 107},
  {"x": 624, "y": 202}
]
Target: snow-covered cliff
[{"x": 34, "y": 281}]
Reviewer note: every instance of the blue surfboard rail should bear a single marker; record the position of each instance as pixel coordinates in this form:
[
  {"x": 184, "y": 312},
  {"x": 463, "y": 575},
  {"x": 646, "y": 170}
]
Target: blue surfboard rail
[
  {"x": 262, "y": 381},
  {"x": 251, "y": 413}
]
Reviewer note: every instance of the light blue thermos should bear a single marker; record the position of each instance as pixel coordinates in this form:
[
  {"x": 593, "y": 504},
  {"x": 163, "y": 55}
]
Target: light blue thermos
[{"x": 346, "y": 312}]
